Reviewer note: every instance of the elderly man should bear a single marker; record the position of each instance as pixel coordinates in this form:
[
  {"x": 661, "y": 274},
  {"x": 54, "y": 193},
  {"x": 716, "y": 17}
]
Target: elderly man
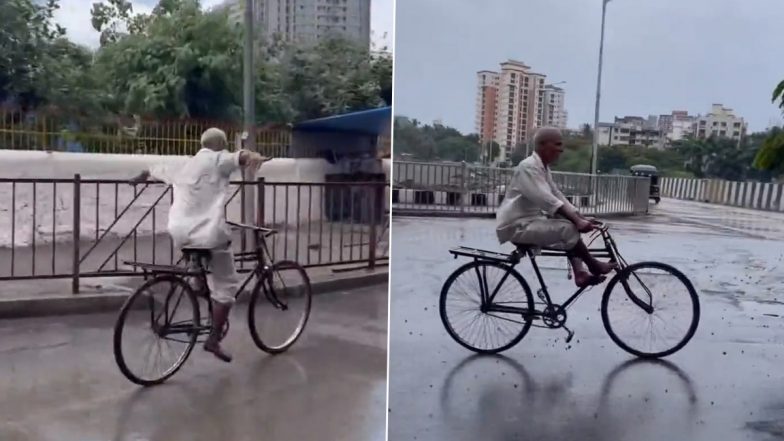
[
  {"x": 196, "y": 217},
  {"x": 534, "y": 212}
]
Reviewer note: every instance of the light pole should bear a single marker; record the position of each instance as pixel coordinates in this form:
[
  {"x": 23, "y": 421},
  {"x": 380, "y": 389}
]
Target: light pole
[{"x": 595, "y": 146}]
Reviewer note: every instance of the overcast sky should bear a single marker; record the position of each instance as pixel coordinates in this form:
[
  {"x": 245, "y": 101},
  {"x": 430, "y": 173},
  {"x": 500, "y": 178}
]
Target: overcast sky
[
  {"x": 74, "y": 15},
  {"x": 659, "y": 55}
]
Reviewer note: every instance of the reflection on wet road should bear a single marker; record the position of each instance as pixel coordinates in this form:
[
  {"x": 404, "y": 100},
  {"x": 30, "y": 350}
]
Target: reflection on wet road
[
  {"x": 725, "y": 384},
  {"x": 60, "y": 382}
]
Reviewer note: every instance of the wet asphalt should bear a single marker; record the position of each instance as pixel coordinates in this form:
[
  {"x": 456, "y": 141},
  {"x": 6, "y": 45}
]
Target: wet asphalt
[
  {"x": 60, "y": 382},
  {"x": 726, "y": 384}
]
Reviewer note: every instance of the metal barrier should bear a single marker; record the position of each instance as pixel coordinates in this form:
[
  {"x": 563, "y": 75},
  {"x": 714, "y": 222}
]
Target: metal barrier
[
  {"x": 767, "y": 196},
  {"x": 82, "y": 228},
  {"x": 462, "y": 189},
  {"x": 44, "y": 131}
]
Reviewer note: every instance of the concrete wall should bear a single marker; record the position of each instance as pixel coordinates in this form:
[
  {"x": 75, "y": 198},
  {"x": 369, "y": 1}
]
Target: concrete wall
[{"x": 756, "y": 195}]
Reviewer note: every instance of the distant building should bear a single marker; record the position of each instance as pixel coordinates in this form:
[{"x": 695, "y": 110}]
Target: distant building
[
  {"x": 631, "y": 130},
  {"x": 306, "y": 20},
  {"x": 510, "y": 105},
  {"x": 554, "y": 111},
  {"x": 721, "y": 122}
]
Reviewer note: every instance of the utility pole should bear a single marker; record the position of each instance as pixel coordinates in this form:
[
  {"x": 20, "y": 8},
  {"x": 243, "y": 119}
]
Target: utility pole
[
  {"x": 249, "y": 105},
  {"x": 595, "y": 146}
]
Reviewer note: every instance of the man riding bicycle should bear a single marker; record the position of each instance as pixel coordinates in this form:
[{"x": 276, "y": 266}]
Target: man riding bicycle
[
  {"x": 535, "y": 212},
  {"x": 196, "y": 217}
]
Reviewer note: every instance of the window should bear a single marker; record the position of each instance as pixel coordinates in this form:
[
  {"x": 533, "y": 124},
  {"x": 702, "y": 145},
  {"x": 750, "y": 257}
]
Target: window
[
  {"x": 736, "y": 125},
  {"x": 723, "y": 133},
  {"x": 715, "y": 123},
  {"x": 736, "y": 134},
  {"x": 724, "y": 124}
]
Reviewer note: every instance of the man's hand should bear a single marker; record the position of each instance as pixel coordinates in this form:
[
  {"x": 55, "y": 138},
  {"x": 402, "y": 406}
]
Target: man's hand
[
  {"x": 252, "y": 160},
  {"x": 141, "y": 177},
  {"x": 584, "y": 226}
]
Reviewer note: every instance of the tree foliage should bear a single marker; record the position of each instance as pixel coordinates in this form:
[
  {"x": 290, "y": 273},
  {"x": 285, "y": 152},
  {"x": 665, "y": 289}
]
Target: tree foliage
[
  {"x": 178, "y": 62},
  {"x": 771, "y": 155}
]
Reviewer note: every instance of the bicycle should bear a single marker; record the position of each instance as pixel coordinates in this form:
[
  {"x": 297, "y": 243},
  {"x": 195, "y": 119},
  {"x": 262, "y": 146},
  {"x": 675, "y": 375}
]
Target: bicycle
[
  {"x": 507, "y": 319},
  {"x": 171, "y": 287}
]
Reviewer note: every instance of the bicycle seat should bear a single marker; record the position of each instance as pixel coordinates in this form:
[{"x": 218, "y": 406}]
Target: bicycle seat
[{"x": 196, "y": 252}]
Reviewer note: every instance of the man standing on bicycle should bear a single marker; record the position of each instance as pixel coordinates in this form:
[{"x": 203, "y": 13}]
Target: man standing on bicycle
[
  {"x": 197, "y": 220},
  {"x": 535, "y": 212}
]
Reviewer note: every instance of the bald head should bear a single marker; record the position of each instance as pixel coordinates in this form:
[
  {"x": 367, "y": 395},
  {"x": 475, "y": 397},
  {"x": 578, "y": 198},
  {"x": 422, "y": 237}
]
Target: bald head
[
  {"x": 548, "y": 143},
  {"x": 214, "y": 139}
]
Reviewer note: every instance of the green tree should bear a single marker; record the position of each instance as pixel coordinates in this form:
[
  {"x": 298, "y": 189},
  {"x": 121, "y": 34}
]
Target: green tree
[
  {"x": 771, "y": 154},
  {"x": 26, "y": 34}
]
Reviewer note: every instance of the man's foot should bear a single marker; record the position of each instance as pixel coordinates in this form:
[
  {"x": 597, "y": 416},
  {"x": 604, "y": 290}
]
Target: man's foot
[
  {"x": 599, "y": 268},
  {"x": 213, "y": 345},
  {"x": 584, "y": 279}
]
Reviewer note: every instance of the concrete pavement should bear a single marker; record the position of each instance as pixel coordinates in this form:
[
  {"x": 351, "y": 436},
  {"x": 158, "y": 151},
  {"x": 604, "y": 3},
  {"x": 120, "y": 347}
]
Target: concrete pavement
[
  {"x": 60, "y": 382},
  {"x": 725, "y": 384}
]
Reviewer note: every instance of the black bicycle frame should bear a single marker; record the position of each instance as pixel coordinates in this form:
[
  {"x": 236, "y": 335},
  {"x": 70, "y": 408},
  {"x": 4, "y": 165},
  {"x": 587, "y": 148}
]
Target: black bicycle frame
[{"x": 610, "y": 251}]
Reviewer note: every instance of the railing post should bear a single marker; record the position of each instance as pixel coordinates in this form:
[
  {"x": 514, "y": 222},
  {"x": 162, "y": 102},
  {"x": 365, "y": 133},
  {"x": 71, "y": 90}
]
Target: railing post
[
  {"x": 377, "y": 200},
  {"x": 259, "y": 207},
  {"x": 76, "y": 228},
  {"x": 260, "y": 202},
  {"x": 463, "y": 187}
]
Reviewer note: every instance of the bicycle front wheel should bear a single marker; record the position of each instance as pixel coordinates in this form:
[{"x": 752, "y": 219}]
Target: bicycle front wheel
[
  {"x": 471, "y": 321},
  {"x": 156, "y": 330},
  {"x": 650, "y": 309},
  {"x": 279, "y": 307}
]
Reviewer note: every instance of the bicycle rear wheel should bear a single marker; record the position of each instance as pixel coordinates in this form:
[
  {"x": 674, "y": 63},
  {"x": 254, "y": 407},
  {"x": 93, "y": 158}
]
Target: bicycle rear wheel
[
  {"x": 653, "y": 313},
  {"x": 465, "y": 317},
  {"x": 279, "y": 307},
  {"x": 157, "y": 325}
]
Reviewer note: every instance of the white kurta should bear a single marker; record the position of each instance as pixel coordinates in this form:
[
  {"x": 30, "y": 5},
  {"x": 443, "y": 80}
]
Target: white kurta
[
  {"x": 526, "y": 215},
  {"x": 197, "y": 217}
]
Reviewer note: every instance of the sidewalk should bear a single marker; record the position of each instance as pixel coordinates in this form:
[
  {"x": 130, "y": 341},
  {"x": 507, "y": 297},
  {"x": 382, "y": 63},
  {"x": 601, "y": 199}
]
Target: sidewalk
[{"x": 31, "y": 298}]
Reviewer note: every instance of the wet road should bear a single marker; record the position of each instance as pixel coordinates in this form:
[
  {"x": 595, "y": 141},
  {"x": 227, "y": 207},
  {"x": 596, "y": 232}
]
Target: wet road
[
  {"x": 725, "y": 384},
  {"x": 60, "y": 382}
]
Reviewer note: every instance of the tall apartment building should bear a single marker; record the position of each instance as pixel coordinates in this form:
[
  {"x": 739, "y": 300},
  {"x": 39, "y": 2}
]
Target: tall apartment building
[
  {"x": 510, "y": 105},
  {"x": 720, "y": 122},
  {"x": 554, "y": 110},
  {"x": 307, "y": 20}
]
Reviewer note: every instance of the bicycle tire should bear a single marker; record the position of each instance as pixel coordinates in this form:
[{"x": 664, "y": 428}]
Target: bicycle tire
[
  {"x": 445, "y": 290},
  {"x": 623, "y": 275},
  {"x": 120, "y": 324},
  {"x": 264, "y": 288}
]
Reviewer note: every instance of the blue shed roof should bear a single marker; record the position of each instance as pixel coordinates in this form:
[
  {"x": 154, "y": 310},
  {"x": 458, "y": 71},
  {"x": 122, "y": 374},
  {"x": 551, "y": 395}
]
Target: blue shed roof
[{"x": 365, "y": 122}]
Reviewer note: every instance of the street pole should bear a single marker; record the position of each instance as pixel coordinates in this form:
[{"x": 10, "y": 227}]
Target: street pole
[
  {"x": 595, "y": 146},
  {"x": 249, "y": 101}
]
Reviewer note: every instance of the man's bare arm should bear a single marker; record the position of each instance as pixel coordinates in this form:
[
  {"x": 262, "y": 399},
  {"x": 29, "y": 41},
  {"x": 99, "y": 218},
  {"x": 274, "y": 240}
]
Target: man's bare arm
[
  {"x": 251, "y": 159},
  {"x": 583, "y": 225}
]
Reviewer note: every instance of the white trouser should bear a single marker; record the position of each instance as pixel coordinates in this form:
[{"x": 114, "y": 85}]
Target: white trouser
[{"x": 222, "y": 279}]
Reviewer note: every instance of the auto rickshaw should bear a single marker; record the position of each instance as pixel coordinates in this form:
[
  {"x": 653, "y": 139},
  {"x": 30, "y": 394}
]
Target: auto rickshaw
[{"x": 651, "y": 172}]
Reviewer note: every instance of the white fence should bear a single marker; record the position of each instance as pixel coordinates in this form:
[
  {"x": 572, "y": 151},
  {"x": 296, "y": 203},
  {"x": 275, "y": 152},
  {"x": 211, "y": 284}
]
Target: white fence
[{"x": 756, "y": 195}]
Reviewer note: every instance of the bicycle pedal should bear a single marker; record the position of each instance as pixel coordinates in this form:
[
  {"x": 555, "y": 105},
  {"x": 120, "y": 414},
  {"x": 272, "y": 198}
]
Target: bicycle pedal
[{"x": 570, "y": 334}]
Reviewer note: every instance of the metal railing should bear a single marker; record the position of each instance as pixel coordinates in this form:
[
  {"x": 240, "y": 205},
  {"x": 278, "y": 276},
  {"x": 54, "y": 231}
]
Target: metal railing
[
  {"x": 71, "y": 133},
  {"x": 462, "y": 189},
  {"x": 82, "y": 228},
  {"x": 768, "y": 196}
]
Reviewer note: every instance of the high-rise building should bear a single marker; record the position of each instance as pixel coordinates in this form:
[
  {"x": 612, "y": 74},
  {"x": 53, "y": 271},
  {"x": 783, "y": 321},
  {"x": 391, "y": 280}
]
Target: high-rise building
[
  {"x": 554, "y": 111},
  {"x": 510, "y": 105},
  {"x": 307, "y": 20},
  {"x": 720, "y": 122}
]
